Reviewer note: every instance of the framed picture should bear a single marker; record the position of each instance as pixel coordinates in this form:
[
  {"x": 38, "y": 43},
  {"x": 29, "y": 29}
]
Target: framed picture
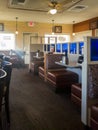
[
  {"x": 1, "y": 27},
  {"x": 93, "y": 25},
  {"x": 58, "y": 29}
]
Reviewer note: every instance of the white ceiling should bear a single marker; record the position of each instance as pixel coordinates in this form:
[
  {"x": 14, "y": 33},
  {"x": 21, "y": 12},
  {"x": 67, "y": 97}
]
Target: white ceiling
[{"x": 24, "y": 12}]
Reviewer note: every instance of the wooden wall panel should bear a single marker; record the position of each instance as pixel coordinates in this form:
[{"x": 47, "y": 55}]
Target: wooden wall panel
[{"x": 84, "y": 26}]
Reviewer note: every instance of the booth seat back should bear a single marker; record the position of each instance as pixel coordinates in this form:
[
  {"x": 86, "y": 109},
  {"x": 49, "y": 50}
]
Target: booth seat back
[
  {"x": 50, "y": 60},
  {"x": 5, "y": 52},
  {"x": 32, "y": 54},
  {"x": 73, "y": 57},
  {"x": 36, "y": 62}
]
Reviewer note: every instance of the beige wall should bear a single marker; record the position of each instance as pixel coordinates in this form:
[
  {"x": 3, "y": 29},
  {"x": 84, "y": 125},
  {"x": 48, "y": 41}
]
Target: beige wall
[{"x": 40, "y": 28}]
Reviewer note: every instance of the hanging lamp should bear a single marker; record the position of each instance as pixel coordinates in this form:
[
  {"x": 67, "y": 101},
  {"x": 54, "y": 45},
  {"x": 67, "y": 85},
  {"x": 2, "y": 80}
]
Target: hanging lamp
[
  {"x": 53, "y": 11},
  {"x": 16, "y": 32},
  {"x": 53, "y": 28},
  {"x": 73, "y": 32}
]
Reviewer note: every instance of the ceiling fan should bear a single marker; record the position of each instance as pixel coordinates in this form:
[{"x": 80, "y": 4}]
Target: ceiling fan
[
  {"x": 54, "y": 5},
  {"x": 60, "y": 6},
  {"x": 50, "y": 6}
]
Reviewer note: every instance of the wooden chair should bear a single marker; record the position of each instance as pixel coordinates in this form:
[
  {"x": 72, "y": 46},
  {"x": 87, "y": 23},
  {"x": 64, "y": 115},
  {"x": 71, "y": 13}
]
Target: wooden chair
[{"x": 3, "y": 75}]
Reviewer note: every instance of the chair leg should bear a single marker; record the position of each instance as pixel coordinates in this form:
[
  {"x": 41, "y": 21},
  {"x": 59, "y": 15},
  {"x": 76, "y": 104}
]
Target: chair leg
[
  {"x": 7, "y": 114},
  {"x": 7, "y": 110},
  {"x": 0, "y": 122}
]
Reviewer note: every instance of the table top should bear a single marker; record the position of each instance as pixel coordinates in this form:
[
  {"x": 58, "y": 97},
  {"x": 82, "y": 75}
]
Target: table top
[{"x": 70, "y": 65}]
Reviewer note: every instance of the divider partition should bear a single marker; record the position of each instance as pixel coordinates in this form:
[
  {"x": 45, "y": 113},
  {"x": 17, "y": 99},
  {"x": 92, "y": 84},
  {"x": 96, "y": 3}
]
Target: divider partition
[
  {"x": 89, "y": 78},
  {"x": 85, "y": 48}
]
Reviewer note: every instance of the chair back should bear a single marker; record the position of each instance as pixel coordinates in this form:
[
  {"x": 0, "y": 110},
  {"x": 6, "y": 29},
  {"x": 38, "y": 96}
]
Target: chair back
[
  {"x": 7, "y": 66},
  {"x": 3, "y": 75}
]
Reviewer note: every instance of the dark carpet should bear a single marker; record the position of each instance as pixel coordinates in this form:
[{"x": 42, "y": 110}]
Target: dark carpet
[{"x": 35, "y": 106}]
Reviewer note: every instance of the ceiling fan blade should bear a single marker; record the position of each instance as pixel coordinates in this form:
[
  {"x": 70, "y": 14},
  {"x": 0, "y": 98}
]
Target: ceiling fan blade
[
  {"x": 59, "y": 6},
  {"x": 53, "y": 3},
  {"x": 50, "y": 5}
]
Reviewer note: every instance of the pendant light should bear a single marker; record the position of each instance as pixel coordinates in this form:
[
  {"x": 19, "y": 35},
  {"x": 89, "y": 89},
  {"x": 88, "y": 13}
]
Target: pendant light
[
  {"x": 73, "y": 32},
  {"x": 53, "y": 27},
  {"x": 16, "y": 26},
  {"x": 53, "y": 11}
]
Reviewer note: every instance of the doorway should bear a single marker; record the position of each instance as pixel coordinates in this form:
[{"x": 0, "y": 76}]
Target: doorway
[{"x": 27, "y": 40}]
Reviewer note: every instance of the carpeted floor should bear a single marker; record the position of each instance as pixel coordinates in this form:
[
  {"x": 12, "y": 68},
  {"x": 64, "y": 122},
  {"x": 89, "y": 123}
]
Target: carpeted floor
[{"x": 35, "y": 106}]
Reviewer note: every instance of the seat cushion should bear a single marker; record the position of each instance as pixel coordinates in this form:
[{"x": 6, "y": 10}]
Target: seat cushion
[
  {"x": 41, "y": 69},
  {"x": 34, "y": 66},
  {"x": 94, "y": 117},
  {"x": 76, "y": 90},
  {"x": 76, "y": 94},
  {"x": 94, "y": 112},
  {"x": 76, "y": 100},
  {"x": 62, "y": 78},
  {"x": 41, "y": 72}
]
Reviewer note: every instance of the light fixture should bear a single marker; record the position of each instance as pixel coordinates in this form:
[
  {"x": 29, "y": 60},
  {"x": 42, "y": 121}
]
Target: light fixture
[
  {"x": 16, "y": 26},
  {"x": 73, "y": 32},
  {"x": 53, "y": 11},
  {"x": 53, "y": 27}
]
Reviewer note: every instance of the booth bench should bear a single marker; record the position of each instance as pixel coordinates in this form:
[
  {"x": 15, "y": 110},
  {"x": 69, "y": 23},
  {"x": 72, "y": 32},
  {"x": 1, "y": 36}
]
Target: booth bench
[{"x": 55, "y": 74}]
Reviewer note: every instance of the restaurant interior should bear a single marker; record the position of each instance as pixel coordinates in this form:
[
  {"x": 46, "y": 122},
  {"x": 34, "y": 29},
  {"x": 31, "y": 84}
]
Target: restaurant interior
[{"x": 58, "y": 49}]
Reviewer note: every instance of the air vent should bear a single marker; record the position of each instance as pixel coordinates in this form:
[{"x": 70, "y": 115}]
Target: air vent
[
  {"x": 77, "y": 8},
  {"x": 17, "y": 2}
]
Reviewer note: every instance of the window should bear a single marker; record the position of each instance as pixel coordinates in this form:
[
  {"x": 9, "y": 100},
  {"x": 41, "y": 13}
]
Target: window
[
  {"x": 73, "y": 48},
  {"x": 81, "y": 45},
  {"x": 65, "y": 47},
  {"x": 56, "y": 38},
  {"x": 58, "y": 47},
  {"x": 7, "y": 41}
]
